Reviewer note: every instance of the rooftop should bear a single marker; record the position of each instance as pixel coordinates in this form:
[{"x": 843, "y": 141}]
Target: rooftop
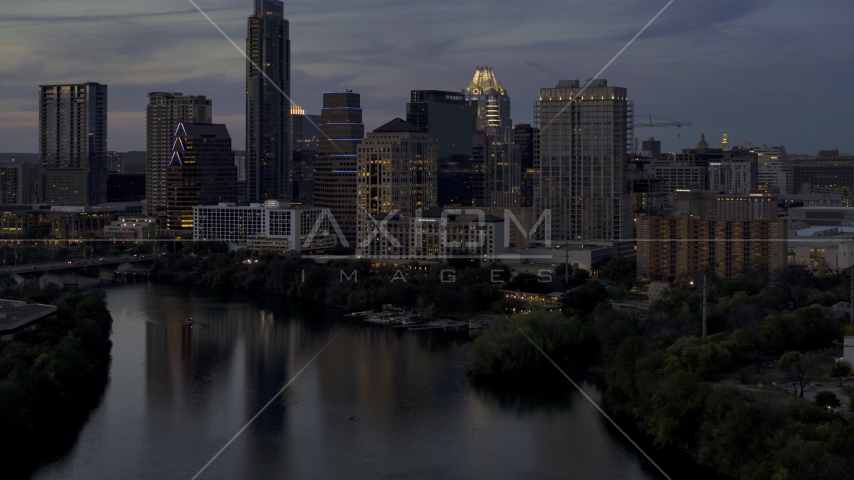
[{"x": 14, "y": 315}]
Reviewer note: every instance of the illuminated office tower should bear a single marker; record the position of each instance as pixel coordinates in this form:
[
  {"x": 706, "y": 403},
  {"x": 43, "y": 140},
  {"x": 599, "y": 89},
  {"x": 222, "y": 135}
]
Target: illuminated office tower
[
  {"x": 268, "y": 153},
  {"x": 163, "y": 114},
  {"x": 73, "y": 143},
  {"x": 583, "y": 145},
  {"x": 305, "y": 136},
  {"x": 491, "y": 103},
  {"x": 397, "y": 180},
  {"x": 201, "y": 171},
  {"x": 335, "y": 178}
]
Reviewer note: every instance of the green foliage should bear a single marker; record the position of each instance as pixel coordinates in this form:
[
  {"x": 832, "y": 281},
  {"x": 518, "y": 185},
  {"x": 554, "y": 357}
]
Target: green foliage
[
  {"x": 827, "y": 398},
  {"x": 808, "y": 328},
  {"x": 503, "y": 351},
  {"x": 620, "y": 270},
  {"x": 840, "y": 370},
  {"x": 582, "y": 300},
  {"x": 51, "y": 377}
]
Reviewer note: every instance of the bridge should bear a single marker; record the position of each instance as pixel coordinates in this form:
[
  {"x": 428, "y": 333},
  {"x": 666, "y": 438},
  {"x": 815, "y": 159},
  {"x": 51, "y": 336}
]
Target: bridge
[{"x": 109, "y": 267}]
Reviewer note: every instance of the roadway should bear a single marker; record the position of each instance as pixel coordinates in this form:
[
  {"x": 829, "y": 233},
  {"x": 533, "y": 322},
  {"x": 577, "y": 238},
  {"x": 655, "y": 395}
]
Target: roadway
[{"x": 78, "y": 263}]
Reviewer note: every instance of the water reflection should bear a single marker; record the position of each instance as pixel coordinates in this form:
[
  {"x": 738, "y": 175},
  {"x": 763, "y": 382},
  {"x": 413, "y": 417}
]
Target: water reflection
[{"x": 378, "y": 403}]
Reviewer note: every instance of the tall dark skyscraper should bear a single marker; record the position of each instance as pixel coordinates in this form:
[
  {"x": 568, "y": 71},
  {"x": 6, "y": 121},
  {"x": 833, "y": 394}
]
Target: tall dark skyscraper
[
  {"x": 73, "y": 143},
  {"x": 525, "y": 140},
  {"x": 305, "y": 135},
  {"x": 268, "y": 153},
  {"x": 336, "y": 175},
  {"x": 446, "y": 117}
]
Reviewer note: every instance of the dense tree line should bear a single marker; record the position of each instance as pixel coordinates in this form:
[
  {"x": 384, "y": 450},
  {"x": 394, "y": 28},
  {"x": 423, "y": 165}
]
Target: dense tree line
[
  {"x": 678, "y": 389},
  {"x": 51, "y": 376},
  {"x": 456, "y": 288}
]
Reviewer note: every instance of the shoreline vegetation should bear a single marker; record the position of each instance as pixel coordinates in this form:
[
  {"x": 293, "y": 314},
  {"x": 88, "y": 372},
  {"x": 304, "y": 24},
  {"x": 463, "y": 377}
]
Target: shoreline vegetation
[
  {"x": 52, "y": 375},
  {"x": 657, "y": 375},
  {"x": 740, "y": 403}
]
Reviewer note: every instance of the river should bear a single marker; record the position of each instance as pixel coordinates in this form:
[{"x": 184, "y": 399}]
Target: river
[{"x": 379, "y": 402}]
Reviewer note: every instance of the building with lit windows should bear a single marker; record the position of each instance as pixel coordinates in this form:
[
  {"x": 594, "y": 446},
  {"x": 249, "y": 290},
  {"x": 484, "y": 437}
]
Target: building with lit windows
[
  {"x": 397, "y": 173},
  {"x": 683, "y": 248},
  {"x": 20, "y": 183},
  {"x": 335, "y": 177},
  {"x": 524, "y": 137},
  {"x": 491, "y": 105},
  {"x": 73, "y": 143},
  {"x": 131, "y": 229},
  {"x": 162, "y": 116},
  {"x": 201, "y": 171},
  {"x": 723, "y": 207},
  {"x": 737, "y": 173},
  {"x": 268, "y": 226},
  {"x": 775, "y": 170},
  {"x": 585, "y": 136},
  {"x": 268, "y": 74},
  {"x": 306, "y": 135}
]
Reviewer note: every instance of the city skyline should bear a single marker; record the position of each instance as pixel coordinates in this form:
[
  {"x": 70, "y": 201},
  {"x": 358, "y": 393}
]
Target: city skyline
[{"x": 717, "y": 66}]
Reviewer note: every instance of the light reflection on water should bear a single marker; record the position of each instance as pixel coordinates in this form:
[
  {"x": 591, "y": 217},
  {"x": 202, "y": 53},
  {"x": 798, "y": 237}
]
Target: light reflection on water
[{"x": 378, "y": 403}]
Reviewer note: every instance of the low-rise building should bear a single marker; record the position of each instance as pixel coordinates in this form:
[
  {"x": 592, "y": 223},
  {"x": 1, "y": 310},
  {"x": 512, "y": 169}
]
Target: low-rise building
[
  {"x": 131, "y": 229},
  {"x": 267, "y": 226}
]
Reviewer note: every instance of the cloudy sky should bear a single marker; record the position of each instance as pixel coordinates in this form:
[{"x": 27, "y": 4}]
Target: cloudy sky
[{"x": 767, "y": 71}]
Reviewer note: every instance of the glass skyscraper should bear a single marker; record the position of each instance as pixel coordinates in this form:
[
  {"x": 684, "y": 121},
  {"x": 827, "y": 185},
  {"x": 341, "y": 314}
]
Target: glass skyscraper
[
  {"x": 584, "y": 137},
  {"x": 268, "y": 162}
]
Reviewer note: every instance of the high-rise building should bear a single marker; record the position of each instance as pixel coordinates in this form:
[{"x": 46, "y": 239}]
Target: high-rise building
[
  {"x": 20, "y": 183},
  {"x": 737, "y": 173},
  {"x": 775, "y": 171},
  {"x": 446, "y": 117},
  {"x": 504, "y": 176},
  {"x": 336, "y": 176},
  {"x": 398, "y": 178},
  {"x": 201, "y": 171},
  {"x": 73, "y": 143},
  {"x": 585, "y": 136},
  {"x": 524, "y": 134},
  {"x": 268, "y": 74},
  {"x": 305, "y": 135},
  {"x": 164, "y": 112},
  {"x": 491, "y": 103},
  {"x": 829, "y": 173}
]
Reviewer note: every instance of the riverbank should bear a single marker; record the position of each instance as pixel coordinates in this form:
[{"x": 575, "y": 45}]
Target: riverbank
[
  {"x": 686, "y": 393},
  {"x": 51, "y": 377}
]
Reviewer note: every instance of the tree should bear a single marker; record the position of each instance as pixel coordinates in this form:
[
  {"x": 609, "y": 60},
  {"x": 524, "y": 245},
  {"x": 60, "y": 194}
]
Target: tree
[
  {"x": 582, "y": 300},
  {"x": 826, "y": 399},
  {"x": 798, "y": 371},
  {"x": 620, "y": 270},
  {"x": 840, "y": 370}
]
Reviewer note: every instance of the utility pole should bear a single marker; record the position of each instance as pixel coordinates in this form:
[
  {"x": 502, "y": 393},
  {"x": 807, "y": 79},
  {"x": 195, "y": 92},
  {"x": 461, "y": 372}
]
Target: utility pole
[
  {"x": 566, "y": 267},
  {"x": 851, "y": 308},
  {"x": 706, "y": 308}
]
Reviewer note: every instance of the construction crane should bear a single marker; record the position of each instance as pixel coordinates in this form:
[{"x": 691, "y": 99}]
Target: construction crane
[{"x": 666, "y": 123}]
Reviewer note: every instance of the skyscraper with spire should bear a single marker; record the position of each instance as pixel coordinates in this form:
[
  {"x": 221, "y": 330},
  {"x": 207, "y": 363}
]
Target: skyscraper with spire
[
  {"x": 268, "y": 75},
  {"x": 492, "y": 104}
]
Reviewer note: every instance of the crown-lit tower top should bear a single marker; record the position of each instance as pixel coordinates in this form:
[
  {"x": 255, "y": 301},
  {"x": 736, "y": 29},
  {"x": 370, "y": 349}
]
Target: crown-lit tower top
[{"x": 484, "y": 83}]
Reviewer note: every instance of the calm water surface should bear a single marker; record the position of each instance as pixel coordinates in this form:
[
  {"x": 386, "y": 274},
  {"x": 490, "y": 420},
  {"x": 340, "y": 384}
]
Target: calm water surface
[{"x": 378, "y": 403}]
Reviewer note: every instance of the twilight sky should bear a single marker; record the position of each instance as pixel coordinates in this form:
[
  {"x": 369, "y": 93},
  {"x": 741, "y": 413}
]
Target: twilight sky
[{"x": 767, "y": 71}]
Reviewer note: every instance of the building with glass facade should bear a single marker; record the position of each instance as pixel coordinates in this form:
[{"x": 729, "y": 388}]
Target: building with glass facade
[
  {"x": 335, "y": 177},
  {"x": 162, "y": 115},
  {"x": 73, "y": 143},
  {"x": 268, "y": 75},
  {"x": 585, "y": 136},
  {"x": 201, "y": 171},
  {"x": 447, "y": 117}
]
